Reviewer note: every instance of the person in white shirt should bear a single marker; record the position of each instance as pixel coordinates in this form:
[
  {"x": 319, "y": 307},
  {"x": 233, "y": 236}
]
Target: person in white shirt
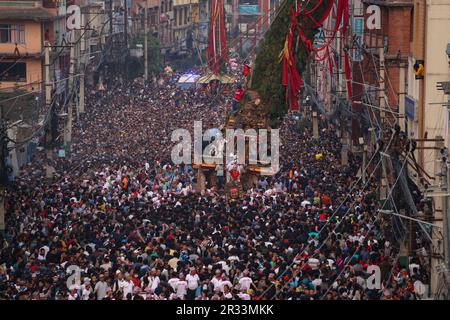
[
  {"x": 153, "y": 280},
  {"x": 127, "y": 287},
  {"x": 101, "y": 288},
  {"x": 245, "y": 282},
  {"x": 173, "y": 281},
  {"x": 73, "y": 295},
  {"x": 244, "y": 295},
  {"x": 217, "y": 280},
  {"x": 193, "y": 281},
  {"x": 181, "y": 287},
  {"x": 86, "y": 292},
  {"x": 224, "y": 282}
]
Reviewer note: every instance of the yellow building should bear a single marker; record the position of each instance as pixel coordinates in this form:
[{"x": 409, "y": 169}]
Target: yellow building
[
  {"x": 21, "y": 43},
  {"x": 186, "y": 18}
]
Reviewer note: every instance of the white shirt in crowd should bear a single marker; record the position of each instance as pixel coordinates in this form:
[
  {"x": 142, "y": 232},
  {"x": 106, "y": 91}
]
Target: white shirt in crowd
[
  {"x": 100, "y": 289},
  {"x": 192, "y": 281},
  {"x": 173, "y": 283},
  {"x": 181, "y": 289},
  {"x": 72, "y": 296},
  {"x": 216, "y": 282},
  {"x": 244, "y": 296},
  {"x": 245, "y": 283},
  {"x": 153, "y": 282},
  {"x": 127, "y": 288}
]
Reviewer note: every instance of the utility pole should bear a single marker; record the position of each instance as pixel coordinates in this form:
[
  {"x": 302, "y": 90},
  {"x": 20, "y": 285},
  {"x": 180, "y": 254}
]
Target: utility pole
[
  {"x": 401, "y": 97},
  {"x": 125, "y": 30},
  {"x": 83, "y": 49},
  {"x": 146, "y": 41},
  {"x": 315, "y": 125},
  {"x": 68, "y": 124},
  {"x": 110, "y": 20},
  {"x": 340, "y": 71},
  {"x": 446, "y": 214},
  {"x": 382, "y": 103},
  {"x": 125, "y": 17},
  {"x": 3, "y": 168},
  {"x": 440, "y": 249},
  {"x": 48, "y": 104},
  {"x": 382, "y": 86}
]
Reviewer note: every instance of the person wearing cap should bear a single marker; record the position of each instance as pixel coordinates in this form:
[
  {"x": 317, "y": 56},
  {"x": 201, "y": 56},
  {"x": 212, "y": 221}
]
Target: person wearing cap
[{"x": 101, "y": 288}]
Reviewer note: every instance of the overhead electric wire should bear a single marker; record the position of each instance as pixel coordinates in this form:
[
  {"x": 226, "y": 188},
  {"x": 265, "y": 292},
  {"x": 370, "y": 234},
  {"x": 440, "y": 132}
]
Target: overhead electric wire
[
  {"x": 370, "y": 229},
  {"x": 349, "y": 193}
]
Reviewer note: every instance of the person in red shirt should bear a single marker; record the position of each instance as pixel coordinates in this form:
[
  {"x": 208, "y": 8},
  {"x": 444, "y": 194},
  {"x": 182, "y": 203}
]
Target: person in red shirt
[
  {"x": 247, "y": 68},
  {"x": 238, "y": 94}
]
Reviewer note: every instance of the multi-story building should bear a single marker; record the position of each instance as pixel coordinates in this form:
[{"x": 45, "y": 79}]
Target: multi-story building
[
  {"x": 201, "y": 37},
  {"x": 160, "y": 20},
  {"x": 153, "y": 16},
  {"x": 186, "y": 19},
  {"x": 166, "y": 22},
  {"x": 391, "y": 43},
  {"x": 23, "y": 26},
  {"x": 248, "y": 20}
]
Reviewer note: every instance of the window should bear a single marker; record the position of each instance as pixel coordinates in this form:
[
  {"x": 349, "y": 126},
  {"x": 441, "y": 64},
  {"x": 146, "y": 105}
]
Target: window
[
  {"x": 12, "y": 33},
  {"x": 20, "y": 33},
  {"x": 5, "y": 33},
  {"x": 12, "y": 71},
  {"x": 175, "y": 13}
]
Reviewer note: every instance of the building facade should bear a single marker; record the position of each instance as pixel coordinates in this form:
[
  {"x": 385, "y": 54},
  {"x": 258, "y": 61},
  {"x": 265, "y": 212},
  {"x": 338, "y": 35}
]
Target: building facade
[{"x": 22, "y": 35}]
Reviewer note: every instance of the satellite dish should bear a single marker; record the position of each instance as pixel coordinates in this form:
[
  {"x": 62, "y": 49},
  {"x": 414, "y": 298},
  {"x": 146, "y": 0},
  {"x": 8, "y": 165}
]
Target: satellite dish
[{"x": 419, "y": 288}]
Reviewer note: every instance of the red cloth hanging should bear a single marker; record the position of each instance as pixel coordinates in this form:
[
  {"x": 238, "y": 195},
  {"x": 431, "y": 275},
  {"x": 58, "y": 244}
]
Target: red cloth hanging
[
  {"x": 342, "y": 12},
  {"x": 290, "y": 77},
  {"x": 326, "y": 13},
  {"x": 312, "y": 10},
  {"x": 217, "y": 36},
  {"x": 223, "y": 34},
  {"x": 212, "y": 32}
]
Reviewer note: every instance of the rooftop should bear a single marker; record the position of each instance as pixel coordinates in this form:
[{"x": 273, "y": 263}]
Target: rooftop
[
  {"x": 33, "y": 13},
  {"x": 390, "y": 3}
]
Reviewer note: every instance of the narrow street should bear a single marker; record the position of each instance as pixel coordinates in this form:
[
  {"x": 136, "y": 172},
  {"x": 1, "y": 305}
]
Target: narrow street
[{"x": 335, "y": 186}]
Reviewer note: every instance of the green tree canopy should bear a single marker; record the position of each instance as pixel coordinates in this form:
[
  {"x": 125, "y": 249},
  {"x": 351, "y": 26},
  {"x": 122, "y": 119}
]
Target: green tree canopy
[
  {"x": 267, "y": 70},
  {"x": 155, "y": 58}
]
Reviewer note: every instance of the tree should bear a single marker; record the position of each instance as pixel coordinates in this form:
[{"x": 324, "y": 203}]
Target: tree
[
  {"x": 155, "y": 58},
  {"x": 267, "y": 70}
]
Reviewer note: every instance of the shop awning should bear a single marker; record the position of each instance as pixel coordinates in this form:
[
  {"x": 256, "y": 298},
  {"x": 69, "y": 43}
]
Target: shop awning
[{"x": 210, "y": 77}]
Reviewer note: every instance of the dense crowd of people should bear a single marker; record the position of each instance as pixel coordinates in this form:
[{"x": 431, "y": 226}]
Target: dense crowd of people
[{"x": 119, "y": 221}]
